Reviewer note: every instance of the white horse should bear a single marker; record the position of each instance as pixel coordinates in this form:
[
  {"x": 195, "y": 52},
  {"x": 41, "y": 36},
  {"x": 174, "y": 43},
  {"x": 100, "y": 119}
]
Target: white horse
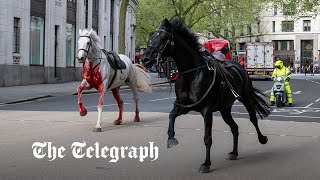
[{"x": 98, "y": 73}]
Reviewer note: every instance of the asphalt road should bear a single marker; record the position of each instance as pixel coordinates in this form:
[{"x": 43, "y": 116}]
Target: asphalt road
[{"x": 292, "y": 151}]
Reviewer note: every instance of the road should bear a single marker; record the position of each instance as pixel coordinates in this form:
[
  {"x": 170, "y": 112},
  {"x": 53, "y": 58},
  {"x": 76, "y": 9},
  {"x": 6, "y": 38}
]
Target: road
[{"x": 292, "y": 152}]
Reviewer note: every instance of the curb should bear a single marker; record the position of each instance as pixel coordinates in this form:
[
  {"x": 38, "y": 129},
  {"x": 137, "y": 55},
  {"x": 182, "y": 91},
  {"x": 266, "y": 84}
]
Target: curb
[
  {"x": 124, "y": 87},
  {"x": 50, "y": 96},
  {"x": 28, "y": 100}
]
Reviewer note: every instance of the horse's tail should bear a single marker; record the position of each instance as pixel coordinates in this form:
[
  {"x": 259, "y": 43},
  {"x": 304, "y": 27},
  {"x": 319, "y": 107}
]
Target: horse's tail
[
  {"x": 260, "y": 105},
  {"x": 143, "y": 79}
]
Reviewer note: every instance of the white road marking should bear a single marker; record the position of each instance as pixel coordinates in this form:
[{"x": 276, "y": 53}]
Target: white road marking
[
  {"x": 283, "y": 135},
  {"x": 153, "y": 100},
  {"x": 197, "y": 129},
  {"x": 252, "y": 133},
  {"x": 298, "y": 92},
  {"x": 309, "y": 105},
  {"x": 240, "y": 105},
  {"x": 107, "y": 105},
  {"x": 317, "y": 100},
  {"x": 309, "y": 117},
  {"x": 225, "y": 131}
]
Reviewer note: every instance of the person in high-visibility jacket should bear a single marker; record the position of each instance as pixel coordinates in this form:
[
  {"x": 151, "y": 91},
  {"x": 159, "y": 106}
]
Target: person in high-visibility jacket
[{"x": 283, "y": 71}]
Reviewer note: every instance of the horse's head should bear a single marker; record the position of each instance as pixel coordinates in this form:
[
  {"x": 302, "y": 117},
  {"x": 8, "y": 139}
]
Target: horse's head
[
  {"x": 159, "y": 45},
  {"x": 88, "y": 44}
]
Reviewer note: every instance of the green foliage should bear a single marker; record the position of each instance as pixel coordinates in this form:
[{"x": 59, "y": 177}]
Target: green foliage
[{"x": 300, "y": 6}]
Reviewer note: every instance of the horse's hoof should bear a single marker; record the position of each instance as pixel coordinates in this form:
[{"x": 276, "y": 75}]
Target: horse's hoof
[
  {"x": 232, "y": 156},
  {"x": 172, "y": 142},
  {"x": 83, "y": 112},
  {"x": 97, "y": 130},
  {"x": 136, "y": 119},
  {"x": 204, "y": 169},
  {"x": 117, "y": 122},
  {"x": 263, "y": 139}
]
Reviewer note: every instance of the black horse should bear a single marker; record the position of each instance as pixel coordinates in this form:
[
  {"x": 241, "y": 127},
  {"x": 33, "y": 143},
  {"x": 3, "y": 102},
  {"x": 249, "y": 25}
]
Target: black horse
[{"x": 204, "y": 84}]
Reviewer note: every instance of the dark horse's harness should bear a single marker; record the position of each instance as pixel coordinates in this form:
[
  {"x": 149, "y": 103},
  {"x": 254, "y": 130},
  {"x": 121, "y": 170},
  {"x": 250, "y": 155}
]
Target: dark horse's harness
[{"x": 212, "y": 64}]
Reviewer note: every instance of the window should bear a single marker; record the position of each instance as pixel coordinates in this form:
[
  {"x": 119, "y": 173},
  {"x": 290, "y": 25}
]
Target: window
[
  {"x": 16, "y": 35},
  {"x": 275, "y": 10},
  {"x": 283, "y": 45},
  {"x": 249, "y": 29},
  {"x": 273, "y": 26},
  {"x": 95, "y": 5},
  {"x": 287, "y": 26},
  {"x": 306, "y": 25},
  {"x": 70, "y": 41},
  {"x": 276, "y": 45},
  {"x": 86, "y": 13},
  {"x": 105, "y": 5},
  {"x": 291, "y": 45},
  {"x": 36, "y": 40},
  {"x": 72, "y": 1},
  {"x": 289, "y": 9}
]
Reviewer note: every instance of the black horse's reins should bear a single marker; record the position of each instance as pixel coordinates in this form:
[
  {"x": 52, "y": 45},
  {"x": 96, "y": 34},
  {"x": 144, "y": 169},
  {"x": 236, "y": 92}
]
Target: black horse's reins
[{"x": 209, "y": 66}]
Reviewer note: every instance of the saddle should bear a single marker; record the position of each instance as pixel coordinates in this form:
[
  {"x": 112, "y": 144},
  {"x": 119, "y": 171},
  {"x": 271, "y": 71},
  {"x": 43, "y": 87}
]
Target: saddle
[
  {"x": 216, "y": 56},
  {"x": 114, "y": 60}
]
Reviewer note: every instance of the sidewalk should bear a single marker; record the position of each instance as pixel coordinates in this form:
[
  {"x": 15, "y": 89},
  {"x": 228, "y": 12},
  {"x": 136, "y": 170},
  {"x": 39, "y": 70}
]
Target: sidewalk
[
  {"x": 302, "y": 76},
  {"x": 14, "y": 94}
]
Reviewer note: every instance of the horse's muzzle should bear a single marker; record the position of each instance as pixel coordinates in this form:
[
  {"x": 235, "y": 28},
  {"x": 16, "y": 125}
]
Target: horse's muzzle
[{"x": 81, "y": 60}]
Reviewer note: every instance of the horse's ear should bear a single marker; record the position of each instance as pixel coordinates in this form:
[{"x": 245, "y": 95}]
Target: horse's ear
[
  {"x": 166, "y": 22},
  {"x": 91, "y": 30}
]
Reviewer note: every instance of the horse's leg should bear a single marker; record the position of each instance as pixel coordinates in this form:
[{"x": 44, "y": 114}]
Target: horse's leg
[
  {"x": 101, "y": 89},
  {"x": 205, "y": 167},
  {"x": 247, "y": 102},
  {"x": 116, "y": 95},
  {"x": 175, "y": 112},
  {"x": 226, "y": 115},
  {"x": 136, "y": 99},
  {"x": 84, "y": 85}
]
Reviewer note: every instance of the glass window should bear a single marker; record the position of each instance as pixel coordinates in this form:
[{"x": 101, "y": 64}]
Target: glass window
[
  {"x": 289, "y": 9},
  {"x": 275, "y": 10},
  {"x": 70, "y": 35},
  {"x": 276, "y": 45},
  {"x": 306, "y": 25},
  {"x": 249, "y": 29},
  {"x": 105, "y": 5},
  {"x": 287, "y": 26},
  {"x": 284, "y": 45},
  {"x": 95, "y": 5},
  {"x": 16, "y": 35},
  {"x": 291, "y": 45},
  {"x": 36, "y": 40},
  {"x": 273, "y": 26}
]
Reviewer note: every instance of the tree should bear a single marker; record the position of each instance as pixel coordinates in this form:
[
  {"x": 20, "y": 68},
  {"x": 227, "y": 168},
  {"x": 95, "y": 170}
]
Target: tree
[
  {"x": 122, "y": 26},
  {"x": 300, "y": 6},
  {"x": 151, "y": 12}
]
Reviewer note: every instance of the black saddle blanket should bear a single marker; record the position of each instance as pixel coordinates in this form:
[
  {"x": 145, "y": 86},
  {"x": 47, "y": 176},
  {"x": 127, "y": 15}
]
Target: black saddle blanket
[{"x": 114, "y": 60}]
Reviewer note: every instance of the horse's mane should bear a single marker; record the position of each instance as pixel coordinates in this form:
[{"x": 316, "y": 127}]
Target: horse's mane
[
  {"x": 93, "y": 35},
  {"x": 183, "y": 30}
]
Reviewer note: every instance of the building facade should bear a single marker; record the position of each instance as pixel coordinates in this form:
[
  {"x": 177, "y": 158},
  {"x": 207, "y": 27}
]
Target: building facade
[
  {"x": 296, "y": 39},
  {"x": 38, "y": 38}
]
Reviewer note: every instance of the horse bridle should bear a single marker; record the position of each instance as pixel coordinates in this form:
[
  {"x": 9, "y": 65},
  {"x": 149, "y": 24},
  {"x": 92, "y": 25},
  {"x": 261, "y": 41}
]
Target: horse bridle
[
  {"x": 169, "y": 41},
  {"x": 86, "y": 50}
]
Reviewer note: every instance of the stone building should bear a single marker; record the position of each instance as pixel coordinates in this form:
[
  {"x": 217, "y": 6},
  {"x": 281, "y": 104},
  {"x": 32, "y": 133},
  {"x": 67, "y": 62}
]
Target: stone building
[
  {"x": 296, "y": 40},
  {"x": 38, "y": 38}
]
